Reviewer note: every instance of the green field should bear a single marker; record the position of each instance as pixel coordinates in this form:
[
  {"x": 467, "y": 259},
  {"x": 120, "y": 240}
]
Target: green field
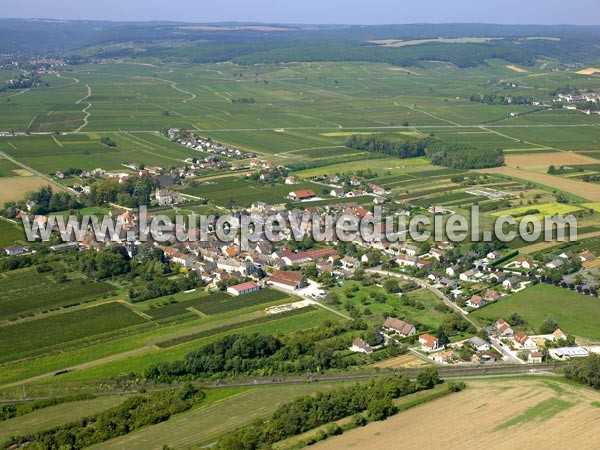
[
  {"x": 54, "y": 416},
  {"x": 9, "y": 233},
  {"x": 217, "y": 303},
  {"x": 37, "y": 336},
  {"x": 575, "y": 313},
  {"x": 26, "y": 291}
]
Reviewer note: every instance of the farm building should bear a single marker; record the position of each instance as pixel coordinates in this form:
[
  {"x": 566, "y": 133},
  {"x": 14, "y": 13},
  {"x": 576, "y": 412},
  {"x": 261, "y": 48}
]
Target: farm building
[
  {"x": 287, "y": 279},
  {"x": 302, "y": 194},
  {"x": 243, "y": 288}
]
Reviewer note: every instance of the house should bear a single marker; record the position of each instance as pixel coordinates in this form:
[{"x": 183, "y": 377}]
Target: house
[
  {"x": 290, "y": 180},
  {"x": 360, "y": 346},
  {"x": 447, "y": 356},
  {"x": 568, "y": 255},
  {"x": 452, "y": 271},
  {"x": 586, "y": 256},
  {"x": 559, "y": 335},
  {"x": 302, "y": 194},
  {"x": 14, "y": 250},
  {"x": 349, "y": 262},
  {"x": 288, "y": 279},
  {"x": 183, "y": 260},
  {"x": 337, "y": 192},
  {"x": 243, "y": 288},
  {"x": 165, "y": 197},
  {"x": 485, "y": 357},
  {"x": 534, "y": 357},
  {"x": 493, "y": 255},
  {"x": 555, "y": 263},
  {"x": 400, "y": 327},
  {"x": 436, "y": 209},
  {"x": 511, "y": 283},
  {"x": 475, "y": 301},
  {"x": 492, "y": 296},
  {"x": 469, "y": 275},
  {"x": 503, "y": 328},
  {"x": 525, "y": 341},
  {"x": 480, "y": 344},
  {"x": 231, "y": 265},
  {"x": 409, "y": 249},
  {"x": 526, "y": 263},
  {"x": 429, "y": 343}
]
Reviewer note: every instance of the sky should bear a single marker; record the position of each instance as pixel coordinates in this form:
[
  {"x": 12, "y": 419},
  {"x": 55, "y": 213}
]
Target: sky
[{"x": 367, "y": 12}]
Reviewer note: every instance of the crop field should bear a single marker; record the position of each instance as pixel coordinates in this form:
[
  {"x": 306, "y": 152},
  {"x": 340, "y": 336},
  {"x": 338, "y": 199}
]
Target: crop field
[
  {"x": 217, "y": 303},
  {"x": 575, "y": 313},
  {"x": 35, "y": 336},
  {"x": 54, "y": 416},
  {"x": 524, "y": 413},
  {"x": 25, "y": 292},
  {"x": 10, "y": 233},
  {"x": 227, "y": 411},
  {"x": 237, "y": 191},
  {"x": 7, "y": 168},
  {"x": 548, "y": 209},
  {"x": 145, "y": 356},
  {"x": 13, "y": 188}
]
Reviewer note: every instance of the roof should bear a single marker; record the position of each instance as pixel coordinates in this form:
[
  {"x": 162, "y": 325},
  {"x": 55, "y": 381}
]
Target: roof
[
  {"x": 400, "y": 326},
  {"x": 287, "y": 275},
  {"x": 521, "y": 337},
  {"x": 303, "y": 193},
  {"x": 244, "y": 286},
  {"x": 430, "y": 341}
]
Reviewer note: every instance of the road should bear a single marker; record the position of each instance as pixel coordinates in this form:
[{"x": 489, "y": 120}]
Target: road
[{"x": 432, "y": 289}]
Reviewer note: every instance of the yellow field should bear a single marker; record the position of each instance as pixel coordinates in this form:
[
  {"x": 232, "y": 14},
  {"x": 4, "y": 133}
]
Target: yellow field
[
  {"x": 499, "y": 414},
  {"x": 543, "y": 161},
  {"x": 516, "y": 69},
  {"x": 594, "y": 206},
  {"x": 547, "y": 209},
  {"x": 366, "y": 133},
  {"x": 14, "y": 188},
  {"x": 589, "y": 71},
  {"x": 22, "y": 172},
  {"x": 404, "y": 361},
  {"x": 576, "y": 187}
]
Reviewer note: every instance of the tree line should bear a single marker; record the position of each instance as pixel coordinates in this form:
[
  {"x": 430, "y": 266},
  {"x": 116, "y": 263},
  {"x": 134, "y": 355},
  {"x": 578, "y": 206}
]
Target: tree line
[{"x": 456, "y": 156}]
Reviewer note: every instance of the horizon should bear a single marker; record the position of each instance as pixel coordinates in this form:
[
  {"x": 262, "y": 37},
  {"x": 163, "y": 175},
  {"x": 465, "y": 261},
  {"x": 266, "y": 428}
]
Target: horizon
[{"x": 313, "y": 12}]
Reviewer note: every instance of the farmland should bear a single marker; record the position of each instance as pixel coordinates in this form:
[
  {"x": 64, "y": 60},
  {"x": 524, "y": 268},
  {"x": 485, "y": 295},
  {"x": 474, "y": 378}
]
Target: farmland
[
  {"x": 150, "y": 115},
  {"x": 574, "y": 312},
  {"x": 533, "y": 412},
  {"x": 36, "y": 336},
  {"x": 28, "y": 291}
]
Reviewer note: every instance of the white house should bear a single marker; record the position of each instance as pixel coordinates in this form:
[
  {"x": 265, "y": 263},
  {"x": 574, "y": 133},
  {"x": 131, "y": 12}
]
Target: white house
[
  {"x": 243, "y": 288},
  {"x": 360, "y": 346},
  {"x": 429, "y": 343},
  {"x": 524, "y": 341},
  {"x": 184, "y": 260}
]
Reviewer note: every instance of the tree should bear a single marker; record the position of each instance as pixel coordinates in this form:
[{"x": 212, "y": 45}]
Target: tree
[
  {"x": 549, "y": 326},
  {"x": 428, "y": 378},
  {"x": 391, "y": 285},
  {"x": 442, "y": 336},
  {"x": 380, "y": 408}
]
